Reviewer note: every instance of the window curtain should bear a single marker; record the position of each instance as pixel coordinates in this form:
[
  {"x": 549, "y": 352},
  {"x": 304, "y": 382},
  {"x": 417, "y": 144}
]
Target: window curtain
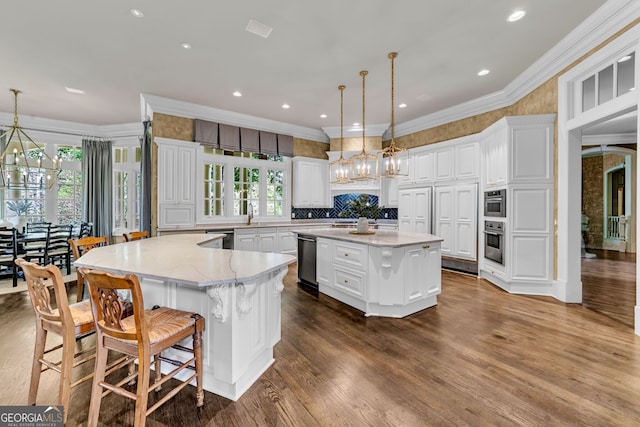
[
  {"x": 205, "y": 133},
  {"x": 3, "y": 146},
  {"x": 97, "y": 188},
  {"x": 145, "y": 178},
  {"x": 229, "y": 137},
  {"x": 285, "y": 145},
  {"x": 268, "y": 143}
]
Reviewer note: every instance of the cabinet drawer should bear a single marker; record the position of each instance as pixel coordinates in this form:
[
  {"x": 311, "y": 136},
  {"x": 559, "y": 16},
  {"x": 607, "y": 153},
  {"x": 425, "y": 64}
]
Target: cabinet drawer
[
  {"x": 350, "y": 282},
  {"x": 352, "y": 255}
]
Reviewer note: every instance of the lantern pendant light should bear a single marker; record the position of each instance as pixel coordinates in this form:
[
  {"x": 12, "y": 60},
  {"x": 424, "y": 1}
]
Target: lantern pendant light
[
  {"x": 394, "y": 161},
  {"x": 341, "y": 170},
  {"x": 365, "y": 165}
]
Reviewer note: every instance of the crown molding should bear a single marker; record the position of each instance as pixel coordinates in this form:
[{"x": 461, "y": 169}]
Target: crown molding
[
  {"x": 352, "y": 132},
  {"x": 153, "y": 103},
  {"x": 602, "y": 24}
]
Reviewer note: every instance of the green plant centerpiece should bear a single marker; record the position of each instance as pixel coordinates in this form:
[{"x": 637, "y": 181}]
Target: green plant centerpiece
[
  {"x": 361, "y": 207},
  {"x": 20, "y": 207}
]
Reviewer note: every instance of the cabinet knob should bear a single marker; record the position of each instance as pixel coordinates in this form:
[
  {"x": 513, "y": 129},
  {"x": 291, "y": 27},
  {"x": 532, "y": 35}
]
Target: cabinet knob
[
  {"x": 346, "y": 281},
  {"x": 346, "y": 254},
  {"x": 425, "y": 246}
]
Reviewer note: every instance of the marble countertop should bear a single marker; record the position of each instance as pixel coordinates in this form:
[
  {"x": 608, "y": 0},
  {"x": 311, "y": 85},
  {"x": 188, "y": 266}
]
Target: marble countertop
[
  {"x": 389, "y": 238},
  {"x": 183, "y": 258},
  {"x": 259, "y": 224}
]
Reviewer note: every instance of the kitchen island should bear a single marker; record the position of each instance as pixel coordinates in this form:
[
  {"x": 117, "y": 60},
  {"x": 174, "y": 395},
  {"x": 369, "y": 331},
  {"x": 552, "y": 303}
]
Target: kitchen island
[
  {"x": 237, "y": 292},
  {"x": 388, "y": 273}
]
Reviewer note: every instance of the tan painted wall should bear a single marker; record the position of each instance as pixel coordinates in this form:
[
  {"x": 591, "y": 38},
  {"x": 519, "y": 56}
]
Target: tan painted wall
[{"x": 355, "y": 144}]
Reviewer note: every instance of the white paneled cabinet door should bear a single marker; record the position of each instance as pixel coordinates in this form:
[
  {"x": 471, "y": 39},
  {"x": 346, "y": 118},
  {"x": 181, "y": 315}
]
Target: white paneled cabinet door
[
  {"x": 423, "y": 167},
  {"x": 176, "y": 183},
  {"x": 444, "y": 210},
  {"x": 444, "y": 164},
  {"x": 414, "y": 210},
  {"x": 423, "y": 272},
  {"x": 467, "y": 161},
  {"x": 466, "y": 221},
  {"x": 244, "y": 242},
  {"x": 310, "y": 183},
  {"x": 266, "y": 242}
]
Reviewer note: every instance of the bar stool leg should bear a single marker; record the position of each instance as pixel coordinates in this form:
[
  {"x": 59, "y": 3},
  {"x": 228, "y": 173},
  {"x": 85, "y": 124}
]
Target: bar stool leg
[
  {"x": 36, "y": 367},
  {"x": 197, "y": 352},
  {"x": 158, "y": 370},
  {"x": 96, "y": 388},
  {"x": 66, "y": 367},
  {"x": 142, "y": 395}
]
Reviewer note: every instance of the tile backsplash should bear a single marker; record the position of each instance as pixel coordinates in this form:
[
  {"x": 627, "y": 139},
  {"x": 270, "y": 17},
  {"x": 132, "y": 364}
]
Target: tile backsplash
[{"x": 339, "y": 204}]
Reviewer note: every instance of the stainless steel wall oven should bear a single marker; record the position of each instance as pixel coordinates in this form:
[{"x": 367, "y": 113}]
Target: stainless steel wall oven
[
  {"x": 494, "y": 241},
  {"x": 495, "y": 203}
]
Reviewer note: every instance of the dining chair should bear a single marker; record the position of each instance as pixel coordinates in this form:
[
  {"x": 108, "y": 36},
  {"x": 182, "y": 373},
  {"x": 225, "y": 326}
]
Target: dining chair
[
  {"x": 69, "y": 321},
  {"x": 34, "y": 243},
  {"x": 37, "y": 227},
  {"x": 135, "y": 235},
  {"x": 144, "y": 335},
  {"x": 57, "y": 250},
  {"x": 78, "y": 248},
  {"x": 9, "y": 252},
  {"x": 86, "y": 229}
]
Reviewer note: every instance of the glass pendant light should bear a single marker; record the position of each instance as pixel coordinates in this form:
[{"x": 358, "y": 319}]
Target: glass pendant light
[
  {"x": 365, "y": 165},
  {"x": 341, "y": 170},
  {"x": 394, "y": 161}
]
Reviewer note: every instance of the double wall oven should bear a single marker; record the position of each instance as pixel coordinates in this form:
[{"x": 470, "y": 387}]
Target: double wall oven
[{"x": 495, "y": 206}]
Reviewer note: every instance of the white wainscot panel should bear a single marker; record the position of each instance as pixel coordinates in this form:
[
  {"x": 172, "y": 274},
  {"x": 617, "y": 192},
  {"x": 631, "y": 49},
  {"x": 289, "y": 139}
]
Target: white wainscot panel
[
  {"x": 530, "y": 258},
  {"x": 531, "y": 210}
]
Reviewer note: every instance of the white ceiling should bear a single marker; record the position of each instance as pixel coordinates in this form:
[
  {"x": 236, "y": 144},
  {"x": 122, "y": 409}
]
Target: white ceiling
[{"x": 98, "y": 46}]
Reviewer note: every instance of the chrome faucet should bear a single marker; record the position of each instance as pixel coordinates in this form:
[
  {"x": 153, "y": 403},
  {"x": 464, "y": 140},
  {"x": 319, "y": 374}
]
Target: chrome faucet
[{"x": 249, "y": 213}]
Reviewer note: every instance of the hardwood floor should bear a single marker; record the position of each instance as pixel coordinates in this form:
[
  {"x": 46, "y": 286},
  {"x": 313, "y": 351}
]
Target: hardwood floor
[
  {"x": 481, "y": 357},
  {"x": 609, "y": 284}
]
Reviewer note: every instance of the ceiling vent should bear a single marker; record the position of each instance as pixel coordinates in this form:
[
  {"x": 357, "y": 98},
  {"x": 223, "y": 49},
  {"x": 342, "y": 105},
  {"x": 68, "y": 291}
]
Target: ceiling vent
[{"x": 259, "y": 28}]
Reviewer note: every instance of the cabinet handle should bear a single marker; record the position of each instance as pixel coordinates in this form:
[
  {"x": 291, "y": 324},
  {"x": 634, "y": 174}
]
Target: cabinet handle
[
  {"x": 425, "y": 246},
  {"x": 346, "y": 281},
  {"x": 346, "y": 254}
]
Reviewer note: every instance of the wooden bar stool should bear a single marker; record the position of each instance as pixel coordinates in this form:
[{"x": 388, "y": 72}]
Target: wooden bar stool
[
  {"x": 78, "y": 248},
  {"x": 69, "y": 321},
  {"x": 144, "y": 335},
  {"x": 135, "y": 235}
]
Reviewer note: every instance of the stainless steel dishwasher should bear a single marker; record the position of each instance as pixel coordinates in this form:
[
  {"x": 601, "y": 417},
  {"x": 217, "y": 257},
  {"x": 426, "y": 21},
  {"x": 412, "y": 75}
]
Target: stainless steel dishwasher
[{"x": 307, "y": 261}]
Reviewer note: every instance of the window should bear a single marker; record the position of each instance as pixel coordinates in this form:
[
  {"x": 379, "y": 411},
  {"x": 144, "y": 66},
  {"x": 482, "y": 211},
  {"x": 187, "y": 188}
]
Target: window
[
  {"x": 126, "y": 189},
  {"x": 246, "y": 190},
  {"x": 274, "y": 192},
  {"x": 614, "y": 80},
  {"x": 235, "y": 184},
  {"x": 69, "y": 185},
  {"x": 214, "y": 190}
]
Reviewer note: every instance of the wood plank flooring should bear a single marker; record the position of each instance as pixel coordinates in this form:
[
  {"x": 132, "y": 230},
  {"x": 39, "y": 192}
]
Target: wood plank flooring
[
  {"x": 482, "y": 357},
  {"x": 609, "y": 284}
]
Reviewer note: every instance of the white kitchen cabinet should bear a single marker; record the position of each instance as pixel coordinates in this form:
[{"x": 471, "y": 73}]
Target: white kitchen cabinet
[
  {"x": 414, "y": 210},
  {"x": 255, "y": 239},
  {"x": 287, "y": 241},
  {"x": 310, "y": 183},
  {"x": 389, "y": 192},
  {"x": 467, "y": 161},
  {"x": 444, "y": 164},
  {"x": 422, "y": 263},
  {"x": 518, "y": 150},
  {"x": 456, "y": 219},
  {"x": 176, "y": 183},
  {"x": 423, "y": 167}
]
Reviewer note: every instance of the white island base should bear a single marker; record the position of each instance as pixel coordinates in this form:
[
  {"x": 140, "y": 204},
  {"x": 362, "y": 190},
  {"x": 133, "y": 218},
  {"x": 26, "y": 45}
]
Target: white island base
[
  {"x": 391, "y": 274},
  {"x": 237, "y": 292}
]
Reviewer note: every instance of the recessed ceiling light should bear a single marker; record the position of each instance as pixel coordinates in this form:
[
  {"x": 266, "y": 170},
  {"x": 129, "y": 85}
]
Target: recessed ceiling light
[
  {"x": 285, "y": 106},
  {"x": 517, "y": 15},
  {"x": 483, "y": 72},
  {"x": 624, "y": 58},
  {"x": 236, "y": 93},
  {"x": 185, "y": 45},
  {"x": 323, "y": 116},
  {"x": 72, "y": 90},
  {"x": 137, "y": 13},
  {"x": 356, "y": 124},
  {"x": 403, "y": 105},
  {"x": 258, "y": 28}
]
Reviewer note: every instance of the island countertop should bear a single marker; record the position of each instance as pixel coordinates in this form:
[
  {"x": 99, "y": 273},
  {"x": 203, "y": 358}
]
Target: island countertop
[
  {"x": 184, "y": 258},
  {"x": 383, "y": 238}
]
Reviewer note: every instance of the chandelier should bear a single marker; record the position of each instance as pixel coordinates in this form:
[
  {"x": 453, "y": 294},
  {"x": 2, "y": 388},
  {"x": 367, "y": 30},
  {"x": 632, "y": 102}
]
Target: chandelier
[
  {"x": 395, "y": 160},
  {"x": 365, "y": 165},
  {"x": 341, "y": 170},
  {"x": 24, "y": 165}
]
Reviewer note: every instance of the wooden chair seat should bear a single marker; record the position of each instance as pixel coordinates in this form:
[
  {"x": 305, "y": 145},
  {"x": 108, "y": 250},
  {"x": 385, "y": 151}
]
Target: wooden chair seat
[{"x": 145, "y": 335}]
